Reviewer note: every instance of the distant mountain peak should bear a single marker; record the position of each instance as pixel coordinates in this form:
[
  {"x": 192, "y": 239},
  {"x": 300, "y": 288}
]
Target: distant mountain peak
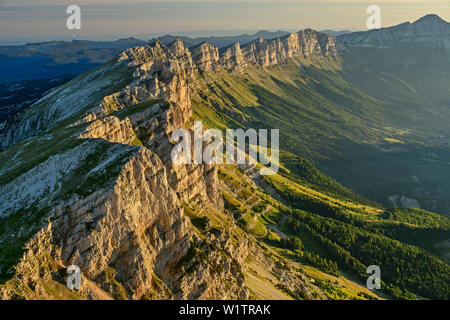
[
  {"x": 129, "y": 39},
  {"x": 428, "y": 29},
  {"x": 431, "y": 18}
]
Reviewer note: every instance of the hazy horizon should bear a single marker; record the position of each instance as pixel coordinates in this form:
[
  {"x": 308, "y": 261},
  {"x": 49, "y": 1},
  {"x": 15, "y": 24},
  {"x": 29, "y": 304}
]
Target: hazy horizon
[{"x": 111, "y": 19}]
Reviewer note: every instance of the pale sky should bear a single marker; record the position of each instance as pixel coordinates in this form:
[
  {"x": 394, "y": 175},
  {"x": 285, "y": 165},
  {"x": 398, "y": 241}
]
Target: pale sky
[{"x": 39, "y": 20}]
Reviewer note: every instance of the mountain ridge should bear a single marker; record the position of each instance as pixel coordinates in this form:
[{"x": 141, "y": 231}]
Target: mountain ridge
[
  {"x": 270, "y": 52},
  {"x": 206, "y": 57},
  {"x": 430, "y": 28}
]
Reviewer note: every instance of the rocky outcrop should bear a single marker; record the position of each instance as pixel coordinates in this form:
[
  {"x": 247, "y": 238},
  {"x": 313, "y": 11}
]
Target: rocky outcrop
[
  {"x": 306, "y": 44},
  {"x": 127, "y": 232},
  {"x": 233, "y": 57},
  {"x": 159, "y": 74},
  {"x": 65, "y": 103},
  {"x": 425, "y": 41},
  {"x": 110, "y": 129},
  {"x": 206, "y": 56}
]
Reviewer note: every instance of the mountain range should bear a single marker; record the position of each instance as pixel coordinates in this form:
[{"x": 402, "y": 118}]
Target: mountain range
[
  {"x": 35, "y": 68},
  {"x": 87, "y": 177}
]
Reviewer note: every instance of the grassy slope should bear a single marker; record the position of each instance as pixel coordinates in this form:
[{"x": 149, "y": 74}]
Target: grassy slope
[
  {"x": 320, "y": 113},
  {"x": 249, "y": 209}
]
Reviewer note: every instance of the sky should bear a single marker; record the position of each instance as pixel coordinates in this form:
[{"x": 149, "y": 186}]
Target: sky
[{"x": 40, "y": 20}]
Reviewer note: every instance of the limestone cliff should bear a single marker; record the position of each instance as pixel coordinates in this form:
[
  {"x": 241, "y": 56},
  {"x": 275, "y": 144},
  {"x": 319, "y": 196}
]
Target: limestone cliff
[
  {"x": 233, "y": 57},
  {"x": 154, "y": 72},
  {"x": 123, "y": 216},
  {"x": 206, "y": 56},
  {"x": 306, "y": 44}
]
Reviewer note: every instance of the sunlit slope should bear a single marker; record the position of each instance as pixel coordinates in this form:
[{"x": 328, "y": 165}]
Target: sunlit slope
[
  {"x": 259, "y": 211},
  {"x": 343, "y": 237},
  {"x": 378, "y": 135},
  {"x": 339, "y": 231}
]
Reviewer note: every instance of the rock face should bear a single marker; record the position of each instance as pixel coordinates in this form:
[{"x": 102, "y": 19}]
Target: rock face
[
  {"x": 206, "y": 56},
  {"x": 306, "y": 43},
  {"x": 233, "y": 58},
  {"x": 136, "y": 222},
  {"x": 134, "y": 226},
  {"x": 110, "y": 129}
]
